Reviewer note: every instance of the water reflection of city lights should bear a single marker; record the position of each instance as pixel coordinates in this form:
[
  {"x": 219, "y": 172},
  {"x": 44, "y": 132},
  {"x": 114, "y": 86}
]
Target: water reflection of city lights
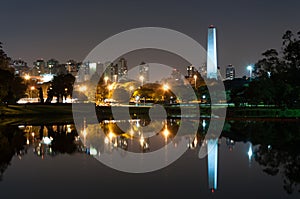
[
  {"x": 250, "y": 152},
  {"x": 84, "y": 133},
  {"x": 131, "y": 133},
  {"x": 166, "y": 133},
  {"x": 69, "y": 130},
  {"x": 111, "y": 135},
  {"x": 47, "y": 140},
  {"x": 106, "y": 140},
  {"x": 93, "y": 151}
]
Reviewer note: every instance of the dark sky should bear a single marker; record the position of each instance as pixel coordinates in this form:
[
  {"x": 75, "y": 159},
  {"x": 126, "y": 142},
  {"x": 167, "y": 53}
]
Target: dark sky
[{"x": 70, "y": 29}]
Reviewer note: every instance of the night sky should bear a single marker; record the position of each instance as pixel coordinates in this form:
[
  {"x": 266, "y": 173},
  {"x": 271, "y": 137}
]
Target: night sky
[{"x": 70, "y": 29}]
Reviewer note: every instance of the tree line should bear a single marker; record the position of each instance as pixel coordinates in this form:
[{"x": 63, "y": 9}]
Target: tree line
[{"x": 276, "y": 77}]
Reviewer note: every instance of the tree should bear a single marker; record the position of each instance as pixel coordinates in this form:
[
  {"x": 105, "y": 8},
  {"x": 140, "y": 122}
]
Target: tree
[
  {"x": 62, "y": 86},
  {"x": 12, "y": 87},
  {"x": 277, "y": 75},
  {"x": 4, "y": 60}
]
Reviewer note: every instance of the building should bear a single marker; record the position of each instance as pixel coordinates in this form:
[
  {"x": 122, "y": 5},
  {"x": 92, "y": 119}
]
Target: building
[
  {"x": 72, "y": 67},
  {"x": 20, "y": 67},
  {"x": 86, "y": 71},
  {"x": 51, "y": 63},
  {"x": 190, "y": 71},
  {"x": 111, "y": 71},
  {"x": 38, "y": 67},
  {"x": 212, "y": 69},
  {"x": 122, "y": 68},
  {"x": 144, "y": 72},
  {"x": 230, "y": 72}
]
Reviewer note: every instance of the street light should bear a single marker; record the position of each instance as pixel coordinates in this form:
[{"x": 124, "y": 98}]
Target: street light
[
  {"x": 166, "y": 87},
  {"x": 195, "y": 77},
  {"x": 250, "y": 68},
  {"x": 27, "y": 77}
]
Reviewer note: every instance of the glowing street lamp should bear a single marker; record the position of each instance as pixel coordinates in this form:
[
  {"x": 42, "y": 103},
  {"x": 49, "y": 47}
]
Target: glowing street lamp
[
  {"x": 166, "y": 87},
  {"x": 27, "y": 77},
  {"x": 110, "y": 87},
  {"x": 195, "y": 78},
  {"x": 250, "y": 68}
]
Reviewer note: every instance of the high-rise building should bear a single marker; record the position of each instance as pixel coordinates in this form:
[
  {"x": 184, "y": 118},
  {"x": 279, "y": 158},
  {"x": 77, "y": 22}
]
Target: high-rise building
[
  {"x": 190, "y": 71},
  {"x": 72, "y": 67},
  {"x": 212, "y": 69},
  {"x": 51, "y": 63},
  {"x": 20, "y": 67},
  {"x": 38, "y": 67},
  {"x": 122, "y": 68},
  {"x": 230, "y": 72},
  {"x": 144, "y": 71}
]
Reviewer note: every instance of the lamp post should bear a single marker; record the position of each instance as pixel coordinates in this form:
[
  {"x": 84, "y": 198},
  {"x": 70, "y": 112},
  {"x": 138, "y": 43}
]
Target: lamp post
[
  {"x": 250, "y": 68},
  {"x": 195, "y": 78}
]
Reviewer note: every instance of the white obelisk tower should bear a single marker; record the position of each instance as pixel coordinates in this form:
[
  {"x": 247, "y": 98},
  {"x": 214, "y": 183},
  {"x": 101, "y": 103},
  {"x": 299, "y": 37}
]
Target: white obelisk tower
[{"x": 212, "y": 68}]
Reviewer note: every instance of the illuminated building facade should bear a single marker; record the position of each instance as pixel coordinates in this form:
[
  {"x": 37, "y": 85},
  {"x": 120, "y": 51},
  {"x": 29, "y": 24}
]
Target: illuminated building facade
[
  {"x": 144, "y": 71},
  {"x": 230, "y": 72},
  {"x": 190, "y": 71}
]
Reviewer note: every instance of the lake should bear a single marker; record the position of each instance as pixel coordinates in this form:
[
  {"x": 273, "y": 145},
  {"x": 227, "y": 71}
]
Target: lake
[{"x": 256, "y": 158}]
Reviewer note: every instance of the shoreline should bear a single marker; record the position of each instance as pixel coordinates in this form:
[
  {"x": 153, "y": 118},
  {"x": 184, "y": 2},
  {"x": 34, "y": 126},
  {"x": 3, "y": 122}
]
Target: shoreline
[{"x": 63, "y": 112}]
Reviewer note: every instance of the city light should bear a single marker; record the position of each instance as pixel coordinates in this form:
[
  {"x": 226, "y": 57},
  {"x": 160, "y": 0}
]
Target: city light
[
  {"x": 250, "y": 68},
  {"x": 166, "y": 87},
  {"x": 195, "y": 77},
  {"x": 110, "y": 87},
  {"x": 27, "y": 77},
  {"x": 131, "y": 88},
  {"x": 166, "y": 132},
  {"x": 82, "y": 88},
  {"x": 250, "y": 152}
]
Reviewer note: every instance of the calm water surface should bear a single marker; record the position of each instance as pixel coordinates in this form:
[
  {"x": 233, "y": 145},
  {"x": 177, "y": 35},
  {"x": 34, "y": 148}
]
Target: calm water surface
[{"x": 252, "y": 159}]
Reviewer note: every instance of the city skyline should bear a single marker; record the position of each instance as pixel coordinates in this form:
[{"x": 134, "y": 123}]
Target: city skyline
[{"x": 245, "y": 29}]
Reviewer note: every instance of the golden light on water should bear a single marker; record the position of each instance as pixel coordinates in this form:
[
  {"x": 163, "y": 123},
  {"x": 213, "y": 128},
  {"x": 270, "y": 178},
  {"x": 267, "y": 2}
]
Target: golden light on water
[
  {"x": 166, "y": 133},
  {"x": 111, "y": 135}
]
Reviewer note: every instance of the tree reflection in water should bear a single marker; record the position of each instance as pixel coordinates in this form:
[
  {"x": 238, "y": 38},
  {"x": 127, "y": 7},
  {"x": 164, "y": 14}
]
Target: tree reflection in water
[
  {"x": 12, "y": 142},
  {"x": 276, "y": 151},
  {"x": 16, "y": 140},
  {"x": 278, "y": 148}
]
